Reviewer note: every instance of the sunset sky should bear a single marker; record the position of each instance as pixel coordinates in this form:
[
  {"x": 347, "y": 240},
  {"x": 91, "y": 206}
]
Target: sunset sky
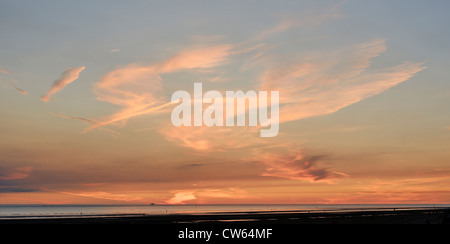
[{"x": 85, "y": 92}]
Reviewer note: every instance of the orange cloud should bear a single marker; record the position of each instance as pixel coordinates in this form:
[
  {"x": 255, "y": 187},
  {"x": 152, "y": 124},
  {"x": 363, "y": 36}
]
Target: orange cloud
[
  {"x": 414, "y": 188},
  {"x": 199, "y": 195},
  {"x": 181, "y": 197},
  {"x": 233, "y": 193},
  {"x": 66, "y": 78}
]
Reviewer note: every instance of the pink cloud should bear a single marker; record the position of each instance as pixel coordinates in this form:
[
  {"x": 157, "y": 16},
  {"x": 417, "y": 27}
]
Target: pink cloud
[
  {"x": 67, "y": 77},
  {"x": 15, "y": 174},
  {"x": 326, "y": 82},
  {"x": 138, "y": 88}
]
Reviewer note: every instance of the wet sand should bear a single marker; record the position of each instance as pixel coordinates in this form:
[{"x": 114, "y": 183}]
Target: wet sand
[{"x": 380, "y": 216}]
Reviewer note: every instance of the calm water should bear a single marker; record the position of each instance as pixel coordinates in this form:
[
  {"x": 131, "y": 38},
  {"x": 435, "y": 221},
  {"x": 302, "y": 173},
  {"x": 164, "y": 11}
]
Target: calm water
[{"x": 15, "y": 211}]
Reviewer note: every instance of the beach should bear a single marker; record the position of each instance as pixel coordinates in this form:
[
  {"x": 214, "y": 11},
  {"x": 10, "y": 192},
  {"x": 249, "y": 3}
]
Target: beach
[{"x": 342, "y": 216}]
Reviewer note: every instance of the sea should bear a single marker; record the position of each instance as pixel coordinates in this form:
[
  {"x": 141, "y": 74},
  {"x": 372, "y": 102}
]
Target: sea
[{"x": 57, "y": 211}]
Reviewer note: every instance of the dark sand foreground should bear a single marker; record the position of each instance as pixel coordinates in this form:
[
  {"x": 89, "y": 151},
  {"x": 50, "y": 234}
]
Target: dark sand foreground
[{"x": 380, "y": 216}]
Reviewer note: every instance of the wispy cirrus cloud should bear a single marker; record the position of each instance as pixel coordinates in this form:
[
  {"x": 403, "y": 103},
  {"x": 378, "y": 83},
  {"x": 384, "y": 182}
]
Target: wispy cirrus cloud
[
  {"x": 19, "y": 90},
  {"x": 114, "y": 133},
  {"x": 196, "y": 58},
  {"x": 320, "y": 84},
  {"x": 212, "y": 139},
  {"x": 310, "y": 19},
  {"x": 326, "y": 82},
  {"x": 323, "y": 83},
  {"x": 67, "y": 77},
  {"x": 138, "y": 88}
]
